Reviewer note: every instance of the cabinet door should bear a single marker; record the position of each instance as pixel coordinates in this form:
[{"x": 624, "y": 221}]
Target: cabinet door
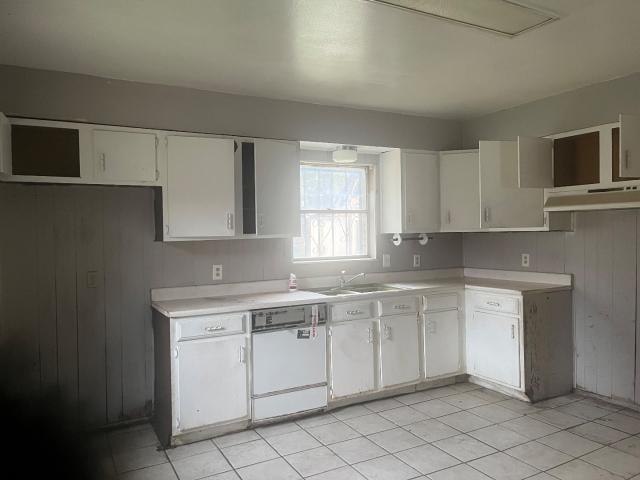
[
  {"x": 125, "y": 156},
  {"x": 399, "y": 350},
  {"x": 352, "y": 358},
  {"x": 200, "y": 187},
  {"x": 504, "y": 205},
  {"x": 421, "y": 194},
  {"x": 493, "y": 347},
  {"x": 441, "y": 343},
  {"x": 277, "y": 177},
  {"x": 211, "y": 382},
  {"x": 629, "y": 146},
  {"x": 5, "y": 145},
  {"x": 460, "y": 190},
  {"x": 535, "y": 162}
]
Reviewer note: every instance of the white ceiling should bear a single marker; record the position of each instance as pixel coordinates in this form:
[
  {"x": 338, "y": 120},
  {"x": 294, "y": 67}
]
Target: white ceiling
[{"x": 334, "y": 52}]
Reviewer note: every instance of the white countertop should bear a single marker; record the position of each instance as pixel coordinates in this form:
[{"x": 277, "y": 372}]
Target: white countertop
[{"x": 233, "y": 303}]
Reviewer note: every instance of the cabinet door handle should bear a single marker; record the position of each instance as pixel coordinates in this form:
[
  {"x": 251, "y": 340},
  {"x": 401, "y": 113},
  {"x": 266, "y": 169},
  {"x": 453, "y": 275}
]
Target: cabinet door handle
[
  {"x": 494, "y": 304},
  {"x": 229, "y": 221},
  {"x": 402, "y": 307},
  {"x": 487, "y": 214},
  {"x": 449, "y": 216},
  {"x": 433, "y": 327},
  {"x": 370, "y": 335},
  {"x": 626, "y": 159},
  {"x": 260, "y": 220},
  {"x": 513, "y": 331},
  {"x": 243, "y": 355},
  {"x": 387, "y": 332},
  {"x": 215, "y": 328},
  {"x": 103, "y": 161},
  {"x": 354, "y": 312}
]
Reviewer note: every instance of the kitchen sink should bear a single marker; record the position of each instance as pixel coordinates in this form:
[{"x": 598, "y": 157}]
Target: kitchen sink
[{"x": 355, "y": 289}]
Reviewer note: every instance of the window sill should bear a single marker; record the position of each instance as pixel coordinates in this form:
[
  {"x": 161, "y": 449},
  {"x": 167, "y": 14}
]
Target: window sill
[{"x": 334, "y": 260}]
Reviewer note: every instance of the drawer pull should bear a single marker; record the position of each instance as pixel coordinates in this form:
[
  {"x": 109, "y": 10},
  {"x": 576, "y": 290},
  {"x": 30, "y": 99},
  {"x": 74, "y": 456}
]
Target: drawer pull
[
  {"x": 354, "y": 312},
  {"x": 402, "y": 307},
  {"x": 370, "y": 335},
  {"x": 494, "y": 304},
  {"x": 513, "y": 331},
  {"x": 243, "y": 356},
  {"x": 216, "y": 328}
]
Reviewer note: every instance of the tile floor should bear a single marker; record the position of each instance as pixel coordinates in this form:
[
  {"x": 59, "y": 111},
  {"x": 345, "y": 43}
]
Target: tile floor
[{"x": 456, "y": 432}]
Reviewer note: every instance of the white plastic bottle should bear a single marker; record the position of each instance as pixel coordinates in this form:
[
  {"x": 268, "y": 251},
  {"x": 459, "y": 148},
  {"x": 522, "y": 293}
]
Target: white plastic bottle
[{"x": 293, "y": 282}]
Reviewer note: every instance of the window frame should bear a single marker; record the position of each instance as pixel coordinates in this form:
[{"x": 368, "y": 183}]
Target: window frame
[{"x": 370, "y": 213}]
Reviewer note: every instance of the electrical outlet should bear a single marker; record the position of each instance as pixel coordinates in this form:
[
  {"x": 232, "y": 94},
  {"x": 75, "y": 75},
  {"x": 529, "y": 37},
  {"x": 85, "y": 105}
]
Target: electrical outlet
[
  {"x": 217, "y": 272},
  {"x": 525, "y": 260},
  {"x": 386, "y": 260},
  {"x": 92, "y": 279},
  {"x": 416, "y": 261}
]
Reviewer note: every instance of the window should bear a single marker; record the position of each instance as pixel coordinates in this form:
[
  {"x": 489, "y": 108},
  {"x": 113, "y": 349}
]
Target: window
[{"x": 334, "y": 211}]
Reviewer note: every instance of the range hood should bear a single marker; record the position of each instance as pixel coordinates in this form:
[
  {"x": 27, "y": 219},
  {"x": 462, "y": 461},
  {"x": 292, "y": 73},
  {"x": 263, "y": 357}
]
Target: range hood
[{"x": 595, "y": 199}]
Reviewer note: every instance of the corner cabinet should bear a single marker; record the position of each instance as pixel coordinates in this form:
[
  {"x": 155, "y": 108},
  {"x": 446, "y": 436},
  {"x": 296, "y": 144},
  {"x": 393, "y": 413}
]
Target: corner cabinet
[
  {"x": 199, "y": 198},
  {"x": 410, "y": 191},
  {"x": 520, "y": 343},
  {"x": 202, "y": 376}
]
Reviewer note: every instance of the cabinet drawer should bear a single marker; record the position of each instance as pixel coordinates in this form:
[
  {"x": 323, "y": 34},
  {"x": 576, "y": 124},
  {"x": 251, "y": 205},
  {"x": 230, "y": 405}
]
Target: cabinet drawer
[
  {"x": 398, "y": 306},
  {"x": 496, "y": 303},
  {"x": 353, "y": 311},
  {"x": 210, "y": 325},
  {"x": 446, "y": 301}
]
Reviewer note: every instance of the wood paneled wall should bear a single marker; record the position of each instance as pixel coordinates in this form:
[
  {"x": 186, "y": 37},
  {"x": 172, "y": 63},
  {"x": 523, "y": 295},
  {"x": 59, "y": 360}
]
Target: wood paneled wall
[
  {"x": 602, "y": 255},
  {"x": 76, "y": 264}
]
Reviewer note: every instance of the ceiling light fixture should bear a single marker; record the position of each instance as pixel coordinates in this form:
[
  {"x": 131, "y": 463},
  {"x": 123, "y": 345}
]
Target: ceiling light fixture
[
  {"x": 499, "y": 16},
  {"x": 345, "y": 154}
]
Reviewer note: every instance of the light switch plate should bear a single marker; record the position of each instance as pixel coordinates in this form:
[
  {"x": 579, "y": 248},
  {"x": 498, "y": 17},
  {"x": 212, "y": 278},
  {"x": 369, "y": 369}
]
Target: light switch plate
[
  {"x": 217, "y": 272},
  {"x": 92, "y": 279},
  {"x": 386, "y": 260},
  {"x": 416, "y": 261},
  {"x": 525, "y": 260}
]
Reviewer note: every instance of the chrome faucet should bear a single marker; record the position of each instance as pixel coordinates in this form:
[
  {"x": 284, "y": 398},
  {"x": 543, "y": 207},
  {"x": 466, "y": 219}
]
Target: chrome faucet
[{"x": 344, "y": 282}]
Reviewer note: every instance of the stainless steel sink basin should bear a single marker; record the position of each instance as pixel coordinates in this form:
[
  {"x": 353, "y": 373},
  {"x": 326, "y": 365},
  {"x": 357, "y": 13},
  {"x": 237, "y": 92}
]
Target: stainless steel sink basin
[{"x": 355, "y": 289}]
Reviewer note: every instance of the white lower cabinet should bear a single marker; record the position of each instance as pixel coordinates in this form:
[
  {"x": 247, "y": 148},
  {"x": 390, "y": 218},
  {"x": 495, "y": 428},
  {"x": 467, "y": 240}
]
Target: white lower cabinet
[
  {"x": 399, "y": 350},
  {"x": 352, "y": 353},
  {"x": 441, "y": 343},
  {"x": 211, "y": 381},
  {"x": 493, "y": 347}
]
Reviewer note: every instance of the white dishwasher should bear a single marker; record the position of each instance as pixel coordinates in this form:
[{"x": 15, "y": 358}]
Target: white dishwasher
[{"x": 289, "y": 361}]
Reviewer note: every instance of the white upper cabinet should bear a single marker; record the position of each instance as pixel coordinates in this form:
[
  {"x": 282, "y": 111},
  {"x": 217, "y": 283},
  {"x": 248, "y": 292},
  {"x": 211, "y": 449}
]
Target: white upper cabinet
[
  {"x": 5, "y": 145},
  {"x": 200, "y": 193},
  {"x": 460, "y": 190},
  {"x": 629, "y": 146},
  {"x": 410, "y": 191},
  {"x": 277, "y": 187},
  {"x": 535, "y": 162},
  {"x": 125, "y": 156},
  {"x": 503, "y": 203}
]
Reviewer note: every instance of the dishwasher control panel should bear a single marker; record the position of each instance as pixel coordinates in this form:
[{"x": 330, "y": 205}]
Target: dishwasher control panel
[{"x": 286, "y": 317}]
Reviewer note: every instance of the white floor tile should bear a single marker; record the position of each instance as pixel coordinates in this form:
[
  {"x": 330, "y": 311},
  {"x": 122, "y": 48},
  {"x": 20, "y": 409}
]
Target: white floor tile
[
  {"x": 435, "y": 408},
  {"x": 558, "y": 419},
  {"x": 499, "y": 437},
  {"x": 249, "y": 453},
  {"x": 584, "y": 409},
  {"x": 386, "y": 468},
  {"x": 134, "y": 459},
  {"x": 599, "y": 433},
  {"x": 403, "y": 416},
  {"x": 351, "y": 412},
  {"x": 569, "y": 443},
  {"x": 317, "y": 420},
  {"x": 396, "y": 440},
  {"x": 621, "y": 422},
  {"x": 465, "y": 400},
  {"x": 538, "y": 455},
  {"x": 357, "y": 450},
  {"x": 501, "y": 466},
  {"x": 342, "y": 473},
  {"x": 382, "y": 405},
  {"x": 494, "y": 413},
  {"x": 277, "y": 429},
  {"x": 158, "y": 472},
  {"x": 581, "y": 470},
  {"x": 431, "y": 430},
  {"x": 293, "y": 442},
  {"x": 276, "y": 469},
  {"x": 333, "y": 433},
  {"x": 427, "y": 459},
  {"x": 529, "y": 427},
  {"x": 237, "y": 438},
  {"x": 465, "y": 421},
  {"x": 185, "y": 451},
  {"x": 371, "y": 423},
  {"x": 519, "y": 406},
  {"x": 614, "y": 461},
  {"x": 312, "y": 462},
  {"x": 630, "y": 445},
  {"x": 464, "y": 447},
  {"x": 459, "y": 472},
  {"x": 202, "y": 465}
]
